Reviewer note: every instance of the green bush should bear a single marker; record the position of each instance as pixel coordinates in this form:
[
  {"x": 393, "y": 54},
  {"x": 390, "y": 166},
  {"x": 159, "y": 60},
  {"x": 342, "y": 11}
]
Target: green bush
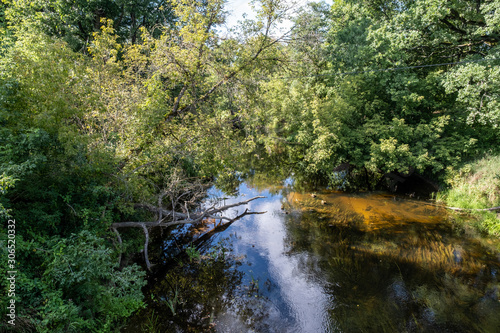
[{"x": 83, "y": 289}]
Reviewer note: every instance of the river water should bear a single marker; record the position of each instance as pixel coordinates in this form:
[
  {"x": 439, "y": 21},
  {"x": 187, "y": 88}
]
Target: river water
[{"x": 325, "y": 262}]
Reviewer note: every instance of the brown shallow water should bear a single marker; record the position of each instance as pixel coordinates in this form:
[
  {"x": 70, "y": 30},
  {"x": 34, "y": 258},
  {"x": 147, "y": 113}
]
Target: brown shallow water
[{"x": 326, "y": 262}]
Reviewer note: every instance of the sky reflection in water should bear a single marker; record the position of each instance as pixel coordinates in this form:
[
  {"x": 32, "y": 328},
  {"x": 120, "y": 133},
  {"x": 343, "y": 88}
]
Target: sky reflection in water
[
  {"x": 297, "y": 302},
  {"x": 326, "y": 262},
  {"x": 333, "y": 262}
]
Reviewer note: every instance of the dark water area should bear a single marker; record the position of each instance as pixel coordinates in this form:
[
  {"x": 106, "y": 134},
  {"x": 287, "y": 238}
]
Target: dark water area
[{"x": 325, "y": 262}]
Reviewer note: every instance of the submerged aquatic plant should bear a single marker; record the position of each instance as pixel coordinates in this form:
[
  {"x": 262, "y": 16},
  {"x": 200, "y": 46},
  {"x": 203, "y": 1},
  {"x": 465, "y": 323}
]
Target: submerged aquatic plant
[
  {"x": 193, "y": 253},
  {"x": 172, "y": 303}
]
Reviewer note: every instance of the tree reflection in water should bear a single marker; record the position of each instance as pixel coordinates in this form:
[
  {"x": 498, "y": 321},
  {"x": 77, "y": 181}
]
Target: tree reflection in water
[
  {"x": 326, "y": 262},
  {"x": 202, "y": 292},
  {"x": 393, "y": 265}
]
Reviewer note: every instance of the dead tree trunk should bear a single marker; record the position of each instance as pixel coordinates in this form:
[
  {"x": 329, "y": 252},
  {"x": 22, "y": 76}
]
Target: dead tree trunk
[{"x": 168, "y": 218}]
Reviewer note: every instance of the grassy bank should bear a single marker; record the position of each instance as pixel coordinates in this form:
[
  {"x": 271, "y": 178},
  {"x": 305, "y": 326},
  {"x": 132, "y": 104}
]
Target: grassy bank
[{"x": 476, "y": 186}]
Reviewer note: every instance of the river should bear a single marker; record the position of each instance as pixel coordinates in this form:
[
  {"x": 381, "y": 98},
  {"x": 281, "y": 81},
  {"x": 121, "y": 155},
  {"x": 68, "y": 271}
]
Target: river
[{"x": 325, "y": 262}]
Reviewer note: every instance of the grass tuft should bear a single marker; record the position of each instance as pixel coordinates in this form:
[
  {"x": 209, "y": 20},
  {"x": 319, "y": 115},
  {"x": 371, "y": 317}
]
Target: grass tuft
[{"x": 476, "y": 186}]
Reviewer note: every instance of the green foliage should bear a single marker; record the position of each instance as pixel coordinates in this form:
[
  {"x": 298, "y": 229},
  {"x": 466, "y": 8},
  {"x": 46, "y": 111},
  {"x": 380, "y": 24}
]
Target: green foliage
[
  {"x": 6, "y": 182},
  {"x": 477, "y": 87},
  {"x": 62, "y": 186},
  {"x": 71, "y": 194},
  {"x": 192, "y": 253},
  {"x": 151, "y": 324},
  {"x": 156, "y": 91},
  {"x": 87, "y": 135},
  {"x": 84, "y": 291},
  {"x": 476, "y": 186},
  {"x": 71, "y": 284},
  {"x": 76, "y": 21},
  {"x": 414, "y": 118}
]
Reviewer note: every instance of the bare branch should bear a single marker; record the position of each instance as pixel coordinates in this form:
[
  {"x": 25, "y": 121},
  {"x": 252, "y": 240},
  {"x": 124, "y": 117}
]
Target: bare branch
[
  {"x": 181, "y": 194},
  {"x": 226, "y": 207},
  {"x": 204, "y": 215},
  {"x": 178, "y": 99},
  {"x": 121, "y": 245},
  {"x": 263, "y": 46},
  {"x": 473, "y": 209},
  {"x": 186, "y": 218},
  {"x": 146, "y": 233},
  {"x": 208, "y": 213}
]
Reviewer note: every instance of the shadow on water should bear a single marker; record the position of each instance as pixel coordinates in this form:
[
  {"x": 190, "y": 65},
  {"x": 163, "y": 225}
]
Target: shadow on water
[
  {"x": 323, "y": 262},
  {"x": 195, "y": 289}
]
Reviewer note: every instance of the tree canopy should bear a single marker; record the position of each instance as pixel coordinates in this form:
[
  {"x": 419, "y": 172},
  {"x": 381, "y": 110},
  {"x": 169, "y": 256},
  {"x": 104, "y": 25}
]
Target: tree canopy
[{"x": 106, "y": 104}]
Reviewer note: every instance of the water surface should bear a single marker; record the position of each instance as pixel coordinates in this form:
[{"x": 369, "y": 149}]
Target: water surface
[{"x": 329, "y": 262}]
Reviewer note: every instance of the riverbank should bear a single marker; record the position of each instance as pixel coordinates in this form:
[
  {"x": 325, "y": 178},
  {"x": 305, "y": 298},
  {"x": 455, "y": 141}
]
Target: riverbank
[{"x": 476, "y": 186}]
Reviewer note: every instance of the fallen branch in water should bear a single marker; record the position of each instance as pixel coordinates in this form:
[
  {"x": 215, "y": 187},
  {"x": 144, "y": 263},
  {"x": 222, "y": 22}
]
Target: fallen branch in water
[
  {"x": 474, "y": 209},
  {"x": 458, "y": 209},
  {"x": 179, "y": 218},
  {"x": 187, "y": 218}
]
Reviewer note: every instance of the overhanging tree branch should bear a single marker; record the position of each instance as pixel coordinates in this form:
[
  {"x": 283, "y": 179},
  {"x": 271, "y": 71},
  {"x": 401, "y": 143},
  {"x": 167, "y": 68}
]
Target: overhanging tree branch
[{"x": 179, "y": 218}]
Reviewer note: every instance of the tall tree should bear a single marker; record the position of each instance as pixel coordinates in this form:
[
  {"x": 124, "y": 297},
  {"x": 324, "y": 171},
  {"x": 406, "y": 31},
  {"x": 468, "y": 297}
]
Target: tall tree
[
  {"x": 377, "y": 98},
  {"x": 76, "y": 21}
]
